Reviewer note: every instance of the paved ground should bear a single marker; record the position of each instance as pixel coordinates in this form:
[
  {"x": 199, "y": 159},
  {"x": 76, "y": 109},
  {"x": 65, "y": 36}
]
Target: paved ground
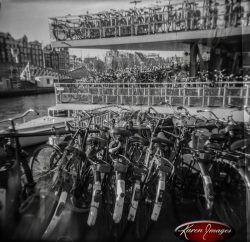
[{"x": 73, "y": 227}]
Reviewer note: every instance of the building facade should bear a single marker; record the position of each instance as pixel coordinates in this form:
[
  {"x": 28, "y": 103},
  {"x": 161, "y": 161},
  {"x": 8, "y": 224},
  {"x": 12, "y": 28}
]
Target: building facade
[
  {"x": 36, "y": 53},
  {"x": 57, "y": 59},
  {"x": 7, "y": 42},
  {"x": 15, "y": 54},
  {"x": 25, "y": 51},
  {"x": 63, "y": 59}
]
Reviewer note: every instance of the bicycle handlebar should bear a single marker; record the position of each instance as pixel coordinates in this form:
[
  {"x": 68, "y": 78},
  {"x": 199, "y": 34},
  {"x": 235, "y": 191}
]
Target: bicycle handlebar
[{"x": 209, "y": 111}]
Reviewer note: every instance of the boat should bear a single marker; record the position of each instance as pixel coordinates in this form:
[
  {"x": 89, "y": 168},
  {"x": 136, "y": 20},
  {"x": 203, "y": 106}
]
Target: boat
[{"x": 55, "y": 119}]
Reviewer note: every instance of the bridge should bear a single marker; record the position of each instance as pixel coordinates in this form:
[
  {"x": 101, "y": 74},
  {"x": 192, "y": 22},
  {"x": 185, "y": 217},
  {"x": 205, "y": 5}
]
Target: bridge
[
  {"x": 165, "y": 41},
  {"x": 179, "y": 26}
]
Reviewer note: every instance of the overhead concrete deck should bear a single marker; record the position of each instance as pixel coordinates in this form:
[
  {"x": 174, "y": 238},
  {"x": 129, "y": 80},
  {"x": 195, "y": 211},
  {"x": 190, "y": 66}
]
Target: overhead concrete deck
[{"x": 165, "y": 41}]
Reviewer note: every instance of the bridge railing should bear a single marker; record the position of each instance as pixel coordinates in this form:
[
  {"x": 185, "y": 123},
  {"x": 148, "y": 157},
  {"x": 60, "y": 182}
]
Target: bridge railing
[
  {"x": 150, "y": 20},
  {"x": 193, "y": 94}
]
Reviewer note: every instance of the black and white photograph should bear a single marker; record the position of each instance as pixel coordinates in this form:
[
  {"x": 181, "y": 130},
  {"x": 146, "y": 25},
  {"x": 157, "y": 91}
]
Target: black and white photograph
[{"x": 125, "y": 120}]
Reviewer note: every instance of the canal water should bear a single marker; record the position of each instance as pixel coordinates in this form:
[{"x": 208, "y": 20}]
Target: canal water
[{"x": 10, "y": 107}]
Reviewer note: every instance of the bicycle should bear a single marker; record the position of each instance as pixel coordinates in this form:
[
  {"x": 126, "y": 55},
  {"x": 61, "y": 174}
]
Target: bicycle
[
  {"x": 230, "y": 174},
  {"x": 153, "y": 183},
  {"x": 67, "y": 175},
  {"x": 190, "y": 182},
  {"x": 17, "y": 195}
]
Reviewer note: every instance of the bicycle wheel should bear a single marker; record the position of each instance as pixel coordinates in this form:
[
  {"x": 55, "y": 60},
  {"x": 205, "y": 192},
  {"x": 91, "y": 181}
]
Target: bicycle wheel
[
  {"x": 232, "y": 195},
  {"x": 189, "y": 194},
  {"x": 104, "y": 223},
  {"x": 43, "y": 164},
  {"x": 43, "y": 167},
  {"x": 59, "y": 32},
  {"x": 143, "y": 220},
  {"x": 83, "y": 181},
  {"x": 120, "y": 228}
]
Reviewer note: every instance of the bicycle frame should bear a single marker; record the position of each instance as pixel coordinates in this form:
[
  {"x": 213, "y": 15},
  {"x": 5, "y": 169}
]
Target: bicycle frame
[{"x": 66, "y": 165}]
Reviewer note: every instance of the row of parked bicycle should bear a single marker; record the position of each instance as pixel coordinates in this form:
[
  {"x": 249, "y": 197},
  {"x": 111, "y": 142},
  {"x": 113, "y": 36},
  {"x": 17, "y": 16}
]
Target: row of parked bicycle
[
  {"x": 150, "y": 20},
  {"x": 118, "y": 164}
]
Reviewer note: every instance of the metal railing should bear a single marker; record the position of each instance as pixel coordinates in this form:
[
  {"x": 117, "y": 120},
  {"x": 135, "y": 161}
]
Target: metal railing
[
  {"x": 150, "y": 20},
  {"x": 193, "y": 94}
]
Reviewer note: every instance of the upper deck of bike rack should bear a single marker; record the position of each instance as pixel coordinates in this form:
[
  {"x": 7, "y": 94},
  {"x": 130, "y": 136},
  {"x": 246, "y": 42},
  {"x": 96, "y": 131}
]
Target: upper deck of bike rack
[{"x": 160, "y": 27}]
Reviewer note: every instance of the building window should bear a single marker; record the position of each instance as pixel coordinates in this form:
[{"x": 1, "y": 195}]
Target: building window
[{"x": 48, "y": 81}]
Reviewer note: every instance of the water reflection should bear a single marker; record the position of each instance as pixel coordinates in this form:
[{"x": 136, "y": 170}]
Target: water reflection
[{"x": 10, "y": 107}]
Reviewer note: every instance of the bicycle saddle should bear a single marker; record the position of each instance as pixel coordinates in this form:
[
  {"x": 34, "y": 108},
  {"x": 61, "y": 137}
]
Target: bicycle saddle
[
  {"x": 241, "y": 144},
  {"x": 121, "y": 131},
  {"x": 101, "y": 141},
  {"x": 218, "y": 137},
  {"x": 138, "y": 138},
  {"x": 214, "y": 146},
  {"x": 162, "y": 139}
]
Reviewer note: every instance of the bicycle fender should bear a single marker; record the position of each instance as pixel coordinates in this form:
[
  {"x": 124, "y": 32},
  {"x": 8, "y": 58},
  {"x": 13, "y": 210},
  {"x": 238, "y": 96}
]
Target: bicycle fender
[
  {"x": 95, "y": 202},
  {"x": 208, "y": 186},
  {"x": 56, "y": 216},
  {"x": 158, "y": 199},
  {"x": 134, "y": 201},
  {"x": 119, "y": 202},
  {"x": 208, "y": 190}
]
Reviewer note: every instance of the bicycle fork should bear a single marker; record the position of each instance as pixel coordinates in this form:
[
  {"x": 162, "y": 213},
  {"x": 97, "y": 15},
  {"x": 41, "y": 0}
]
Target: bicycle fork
[
  {"x": 138, "y": 172},
  {"x": 96, "y": 197},
  {"x": 58, "y": 211},
  {"x": 159, "y": 196},
  {"x": 97, "y": 192},
  {"x": 120, "y": 172},
  {"x": 165, "y": 171}
]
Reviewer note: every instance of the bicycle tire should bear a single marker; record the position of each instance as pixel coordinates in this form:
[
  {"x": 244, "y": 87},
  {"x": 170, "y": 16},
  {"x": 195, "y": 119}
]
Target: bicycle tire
[
  {"x": 118, "y": 229},
  {"x": 46, "y": 152},
  {"x": 104, "y": 222},
  {"x": 232, "y": 194},
  {"x": 52, "y": 195},
  {"x": 143, "y": 220},
  {"x": 82, "y": 193},
  {"x": 188, "y": 193},
  {"x": 59, "y": 32}
]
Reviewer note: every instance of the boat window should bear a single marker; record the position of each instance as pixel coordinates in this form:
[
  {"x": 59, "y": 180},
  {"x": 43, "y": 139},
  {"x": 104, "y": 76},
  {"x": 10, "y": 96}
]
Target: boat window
[
  {"x": 61, "y": 113},
  {"x": 51, "y": 113},
  {"x": 71, "y": 112}
]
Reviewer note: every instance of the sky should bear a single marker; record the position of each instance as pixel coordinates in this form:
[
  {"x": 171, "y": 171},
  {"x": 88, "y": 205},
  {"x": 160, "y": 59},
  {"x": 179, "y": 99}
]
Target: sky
[{"x": 30, "y": 17}]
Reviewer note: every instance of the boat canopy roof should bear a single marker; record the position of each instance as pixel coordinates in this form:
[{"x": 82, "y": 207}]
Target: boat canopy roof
[{"x": 74, "y": 107}]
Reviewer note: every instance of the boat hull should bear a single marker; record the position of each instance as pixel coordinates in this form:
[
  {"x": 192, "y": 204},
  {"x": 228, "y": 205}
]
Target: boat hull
[{"x": 36, "y": 126}]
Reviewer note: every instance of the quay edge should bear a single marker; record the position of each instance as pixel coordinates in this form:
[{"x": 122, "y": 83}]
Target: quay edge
[{"x": 25, "y": 92}]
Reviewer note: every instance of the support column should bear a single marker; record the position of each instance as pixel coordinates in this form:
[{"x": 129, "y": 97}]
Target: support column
[
  {"x": 202, "y": 64},
  {"x": 193, "y": 59}
]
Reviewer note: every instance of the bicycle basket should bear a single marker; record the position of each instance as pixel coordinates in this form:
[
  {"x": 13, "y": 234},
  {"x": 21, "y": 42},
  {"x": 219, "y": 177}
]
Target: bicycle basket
[
  {"x": 165, "y": 165},
  {"x": 119, "y": 167},
  {"x": 198, "y": 140},
  {"x": 103, "y": 168}
]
